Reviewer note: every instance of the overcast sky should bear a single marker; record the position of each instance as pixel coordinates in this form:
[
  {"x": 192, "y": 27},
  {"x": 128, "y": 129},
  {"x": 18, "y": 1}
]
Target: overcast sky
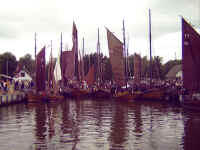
[{"x": 22, "y": 18}]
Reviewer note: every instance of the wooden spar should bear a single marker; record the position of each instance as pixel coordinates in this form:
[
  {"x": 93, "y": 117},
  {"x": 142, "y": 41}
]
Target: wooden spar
[
  {"x": 50, "y": 69},
  {"x": 125, "y": 52},
  {"x": 35, "y": 47},
  {"x": 61, "y": 55},
  {"x": 98, "y": 59},
  {"x": 150, "y": 46},
  {"x": 83, "y": 53}
]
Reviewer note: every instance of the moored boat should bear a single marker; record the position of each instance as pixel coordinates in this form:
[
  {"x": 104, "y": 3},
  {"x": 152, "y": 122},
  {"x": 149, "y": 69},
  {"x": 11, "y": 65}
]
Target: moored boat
[
  {"x": 127, "y": 95},
  {"x": 101, "y": 93},
  {"x": 153, "y": 94},
  {"x": 190, "y": 62}
]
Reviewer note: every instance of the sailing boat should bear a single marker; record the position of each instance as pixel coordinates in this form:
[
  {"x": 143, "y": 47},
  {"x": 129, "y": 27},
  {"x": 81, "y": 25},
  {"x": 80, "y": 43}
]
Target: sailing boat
[
  {"x": 39, "y": 94},
  {"x": 152, "y": 93},
  {"x": 116, "y": 52},
  {"x": 190, "y": 62},
  {"x": 76, "y": 90},
  {"x": 99, "y": 91},
  {"x": 55, "y": 78}
]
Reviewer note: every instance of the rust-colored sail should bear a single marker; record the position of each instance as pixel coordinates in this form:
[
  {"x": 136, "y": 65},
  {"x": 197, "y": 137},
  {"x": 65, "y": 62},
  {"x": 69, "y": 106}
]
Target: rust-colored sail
[
  {"x": 137, "y": 68},
  {"x": 89, "y": 78},
  {"x": 40, "y": 71},
  {"x": 190, "y": 57},
  {"x": 75, "y": 50},
  {"x": 116, "y": 58},
  {"x": 68, "y": 64}
]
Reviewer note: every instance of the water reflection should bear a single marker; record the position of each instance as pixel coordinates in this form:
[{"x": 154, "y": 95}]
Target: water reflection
[
  {"x": 192, "y": 130},
  {"x": 98, "y": 124}
]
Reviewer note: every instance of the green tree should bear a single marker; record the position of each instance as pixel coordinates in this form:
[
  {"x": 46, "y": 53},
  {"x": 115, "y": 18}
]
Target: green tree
[
  {"x": 27, "y": 62},
  {"x": 8, "y": 63}
]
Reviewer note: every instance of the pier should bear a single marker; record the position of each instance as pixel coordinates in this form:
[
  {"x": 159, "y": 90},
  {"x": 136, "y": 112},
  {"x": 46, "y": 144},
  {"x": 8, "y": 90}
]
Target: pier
[{"x": 8, "y": 98}]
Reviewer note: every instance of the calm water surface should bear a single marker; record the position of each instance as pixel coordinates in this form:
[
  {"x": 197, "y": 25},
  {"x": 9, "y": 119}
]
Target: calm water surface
[{"x": 98, "y": 125}]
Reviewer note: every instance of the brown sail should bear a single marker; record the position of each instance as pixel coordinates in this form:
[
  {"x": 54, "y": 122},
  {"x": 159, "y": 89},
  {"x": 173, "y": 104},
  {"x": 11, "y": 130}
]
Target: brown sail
[
  {"x": 89, "y": 78},
  {"x": 68, "y": 64},
  {"x": 137, "y": 68},
  {"x": 40, "y": 71},
  {"x": 116, "y": 58},
  {"x": 75, "y": 50},
  {"x": 190, "y": 57}
]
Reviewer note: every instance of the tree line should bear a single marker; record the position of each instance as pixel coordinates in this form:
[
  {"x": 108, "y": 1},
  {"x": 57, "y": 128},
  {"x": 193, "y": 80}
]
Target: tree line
[{"x": 9, "y": 64}]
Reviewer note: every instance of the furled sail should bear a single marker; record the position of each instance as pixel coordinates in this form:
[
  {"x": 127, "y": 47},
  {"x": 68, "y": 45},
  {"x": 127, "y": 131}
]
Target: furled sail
[
  {"x": 40, "y": 70},
  {"x": 190, "y": 57},
  {"x": 116, "y": 58}
]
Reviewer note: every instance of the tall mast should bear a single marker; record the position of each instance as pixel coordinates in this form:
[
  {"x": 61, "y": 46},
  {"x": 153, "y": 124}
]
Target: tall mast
[
  {"x": 125, "y": 53},
  {"x": 61, "y": 52},
  {"x": 83, "y": 53},
  {"x": 50, "y": 82},
  {"x": 150, "y": 46},
  {"x": 35, "y": 47},
  {"x": 98, "y": 59}
]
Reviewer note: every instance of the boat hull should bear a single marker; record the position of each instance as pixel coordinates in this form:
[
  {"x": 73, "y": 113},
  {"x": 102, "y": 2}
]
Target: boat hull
[
  {"x": 156, "y": 94},
  {"x": 101, "y": 93},
  {"x": 79, "y": 93},
  {"x": 36, "y": 97},
  {"x": 125, "y": 95}
]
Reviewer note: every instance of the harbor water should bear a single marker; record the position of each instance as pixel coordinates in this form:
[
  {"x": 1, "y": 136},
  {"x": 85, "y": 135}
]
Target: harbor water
[{"x": 98, "y": 125}]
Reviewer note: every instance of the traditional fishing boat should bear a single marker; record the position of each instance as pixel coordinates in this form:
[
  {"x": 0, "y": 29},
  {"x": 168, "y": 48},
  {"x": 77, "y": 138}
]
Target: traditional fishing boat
[
  {"x": 54, "y": 78},
  {"x": 39, "y": 95},
  {"x": 117, "y": 62},
  {"x": 152, "y": 93},
  {"x": 190, "y": 62}
]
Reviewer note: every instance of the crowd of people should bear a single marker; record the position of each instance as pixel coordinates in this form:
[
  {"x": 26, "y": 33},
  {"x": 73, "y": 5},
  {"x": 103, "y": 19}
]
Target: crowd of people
[{"x": 12, "y": 85}]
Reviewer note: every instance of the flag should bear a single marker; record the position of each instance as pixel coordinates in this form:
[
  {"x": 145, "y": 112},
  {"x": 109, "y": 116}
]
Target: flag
[
  {"x": 40, "y": 71},
  {"x": 190, "y": 57}
]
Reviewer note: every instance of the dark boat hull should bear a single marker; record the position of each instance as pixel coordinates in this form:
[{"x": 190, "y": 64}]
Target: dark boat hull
[{"x": 155, "y": 94}]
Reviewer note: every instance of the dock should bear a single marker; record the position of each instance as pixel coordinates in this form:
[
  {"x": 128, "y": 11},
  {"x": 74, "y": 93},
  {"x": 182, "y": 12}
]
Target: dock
[{"x": 12, "y": 98}]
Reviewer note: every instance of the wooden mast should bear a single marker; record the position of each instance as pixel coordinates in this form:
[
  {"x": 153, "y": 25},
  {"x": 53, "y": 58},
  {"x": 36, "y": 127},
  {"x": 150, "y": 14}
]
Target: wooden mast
[
  {"x": 50, "y": 69},
  {"x": 98, "y": 60},
  {"x": 82, "y": 66},
  {"x": 150, "y": 46},
  {"x": 125, "y": 53}
]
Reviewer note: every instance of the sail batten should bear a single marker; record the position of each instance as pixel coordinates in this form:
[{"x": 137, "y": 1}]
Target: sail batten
[{"x": 116, "y": 58}]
